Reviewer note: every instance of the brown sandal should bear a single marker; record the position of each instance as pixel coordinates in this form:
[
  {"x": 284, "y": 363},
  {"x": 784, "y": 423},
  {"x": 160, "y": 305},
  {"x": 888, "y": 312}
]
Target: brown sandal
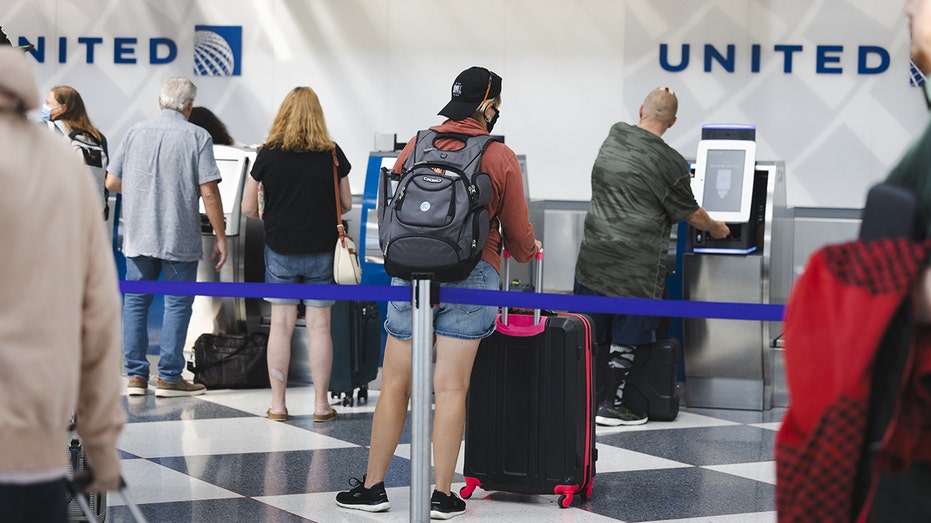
[
  {"x": 330, "y": 416},
  {"x": 276, "y": 417}
]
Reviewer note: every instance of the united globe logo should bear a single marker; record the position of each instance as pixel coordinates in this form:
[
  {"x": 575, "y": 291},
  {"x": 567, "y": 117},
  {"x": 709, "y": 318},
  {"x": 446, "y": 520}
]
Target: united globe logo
[{"x": 217, "y": 50}]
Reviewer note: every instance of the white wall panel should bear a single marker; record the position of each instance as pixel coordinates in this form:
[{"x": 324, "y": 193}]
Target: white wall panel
[{"x": 570, "y": 69}]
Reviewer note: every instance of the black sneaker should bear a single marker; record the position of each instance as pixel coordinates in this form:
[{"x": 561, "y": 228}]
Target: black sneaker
[
  {"x": 615, "y": 415},
  {"x": 373, "y": 499},
  {"x": 445, "y": 507}
]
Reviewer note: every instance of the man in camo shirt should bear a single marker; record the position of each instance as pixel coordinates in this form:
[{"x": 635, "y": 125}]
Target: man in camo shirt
[{"x": 640, "y": 187}]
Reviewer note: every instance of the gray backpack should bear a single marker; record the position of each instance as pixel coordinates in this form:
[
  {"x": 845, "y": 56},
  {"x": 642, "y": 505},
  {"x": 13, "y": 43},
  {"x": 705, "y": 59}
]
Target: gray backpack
[{"x": 433, "y": 216}]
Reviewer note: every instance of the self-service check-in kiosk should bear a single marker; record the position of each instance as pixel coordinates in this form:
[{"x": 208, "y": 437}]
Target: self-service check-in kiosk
[
  {"x": 223, "y": 314},
  {"x": 730, "y": 363}
]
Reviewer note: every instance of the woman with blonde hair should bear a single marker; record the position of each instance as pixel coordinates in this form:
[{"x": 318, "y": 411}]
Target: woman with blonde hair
[
  {"x": 64, "y": 112},
  {"x": 296, "y": 168},
  {"x": 65, "y": 107}
]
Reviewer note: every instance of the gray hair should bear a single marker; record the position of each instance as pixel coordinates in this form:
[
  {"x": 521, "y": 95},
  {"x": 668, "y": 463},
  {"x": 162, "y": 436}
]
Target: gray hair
[{"x": 177, "y": 93}]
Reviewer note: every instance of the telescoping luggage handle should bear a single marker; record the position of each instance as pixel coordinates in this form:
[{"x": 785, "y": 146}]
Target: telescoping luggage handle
[
  {"x": 537, "y": 285},
  {"x": 79, "y": 482}
]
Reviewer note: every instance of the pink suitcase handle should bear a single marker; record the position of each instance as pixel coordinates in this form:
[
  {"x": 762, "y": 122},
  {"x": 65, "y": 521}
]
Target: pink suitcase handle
[{"x": 537, "y": 287}]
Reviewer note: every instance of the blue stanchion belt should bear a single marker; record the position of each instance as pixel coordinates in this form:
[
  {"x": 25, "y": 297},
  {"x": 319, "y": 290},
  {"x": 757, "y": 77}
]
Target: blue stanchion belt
[{"x": 528, "y": 300}]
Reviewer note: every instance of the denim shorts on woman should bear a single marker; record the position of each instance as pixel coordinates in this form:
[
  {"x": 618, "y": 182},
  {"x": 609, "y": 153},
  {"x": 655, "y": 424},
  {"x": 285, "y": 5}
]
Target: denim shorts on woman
[
  {"x": 313, "y": 269},
  {"x": 453, "y": 320}
]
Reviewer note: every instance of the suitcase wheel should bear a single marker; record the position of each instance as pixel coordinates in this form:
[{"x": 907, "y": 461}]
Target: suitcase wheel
[
  {"x": 588, "y": 491},
  {"x": 565, "y": 500},
  {"x": 470, "y": 484},
  {"x": 363, "y": 395},
  {"x": 348, "y": 401}
]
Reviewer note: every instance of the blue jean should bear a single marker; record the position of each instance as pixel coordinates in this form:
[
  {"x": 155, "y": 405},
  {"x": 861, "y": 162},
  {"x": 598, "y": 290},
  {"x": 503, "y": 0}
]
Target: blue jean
[
  {"x": 453, "y": 320},
  {"x": 174, "y": 322},
  {"x": 312, "y": 269}
]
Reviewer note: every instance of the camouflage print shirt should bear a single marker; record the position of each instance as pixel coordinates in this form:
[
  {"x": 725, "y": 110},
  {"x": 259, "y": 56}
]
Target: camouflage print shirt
[
  {"x": 640, "y": 187},
  {"x": 912, "y": 172}
]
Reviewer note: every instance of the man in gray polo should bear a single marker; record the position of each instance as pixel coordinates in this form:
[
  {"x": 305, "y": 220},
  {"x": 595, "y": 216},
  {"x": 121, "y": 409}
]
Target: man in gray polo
[{"x": 161, "y": 167}]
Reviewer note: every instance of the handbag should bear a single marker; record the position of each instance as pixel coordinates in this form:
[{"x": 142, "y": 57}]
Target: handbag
[
  {"x": 230, "y": 361},
  {"x": 346, "y": 269}
]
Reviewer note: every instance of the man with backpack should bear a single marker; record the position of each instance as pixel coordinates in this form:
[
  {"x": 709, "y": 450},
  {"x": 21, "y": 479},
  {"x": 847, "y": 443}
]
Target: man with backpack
[{"x": 472, "y": 113}]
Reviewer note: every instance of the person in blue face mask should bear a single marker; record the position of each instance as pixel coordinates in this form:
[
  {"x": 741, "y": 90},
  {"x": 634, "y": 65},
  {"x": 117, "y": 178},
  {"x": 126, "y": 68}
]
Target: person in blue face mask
[{"x": 64, "y": 112}]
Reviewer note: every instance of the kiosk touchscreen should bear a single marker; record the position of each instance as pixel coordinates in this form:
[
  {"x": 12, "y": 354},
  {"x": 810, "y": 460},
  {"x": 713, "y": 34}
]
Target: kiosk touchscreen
[
  {"x": 724, "y": 187},
  {"x": 724, "y": 178}
]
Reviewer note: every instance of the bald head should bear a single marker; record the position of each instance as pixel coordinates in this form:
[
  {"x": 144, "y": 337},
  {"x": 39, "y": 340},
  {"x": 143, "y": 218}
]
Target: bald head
[{"x": 660, "y": 105}]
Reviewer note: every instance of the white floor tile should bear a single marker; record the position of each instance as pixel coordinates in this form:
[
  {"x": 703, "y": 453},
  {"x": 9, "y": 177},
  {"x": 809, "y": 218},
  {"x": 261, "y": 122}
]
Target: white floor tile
[
  {"x": 764, "y": 471},
  {"x": 685, "y": 420},
  {"x": 483, "y": 506},
  {"x": 219, "y": 436},
  {"x": 149, "y": 482},
  {"x": 610, "y": 459},
  {"x": 774, "y": 426},
  {"x": 300, "y": 400},
  {"x": 614, "y": 459}
]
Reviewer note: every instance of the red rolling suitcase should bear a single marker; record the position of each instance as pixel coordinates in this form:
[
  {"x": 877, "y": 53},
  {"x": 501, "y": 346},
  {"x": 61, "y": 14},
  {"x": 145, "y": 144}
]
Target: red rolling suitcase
[{"x": 530, "y": 418}]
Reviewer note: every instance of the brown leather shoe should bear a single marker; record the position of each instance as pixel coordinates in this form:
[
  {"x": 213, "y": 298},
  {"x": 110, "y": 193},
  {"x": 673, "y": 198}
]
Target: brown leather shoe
[
  {"x": 137, "y": 386},
  {"x": 173, "y": 389}
]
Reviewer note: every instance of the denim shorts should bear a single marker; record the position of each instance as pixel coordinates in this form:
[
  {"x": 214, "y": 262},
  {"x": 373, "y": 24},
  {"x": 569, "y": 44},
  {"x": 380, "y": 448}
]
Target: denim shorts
[
  {"x": 453, "y": 320},
  {"x": 312, "y": 269}
]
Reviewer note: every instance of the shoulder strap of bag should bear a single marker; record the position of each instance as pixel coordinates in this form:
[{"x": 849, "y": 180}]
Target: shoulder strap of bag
[{"x": 339, "y": 217}]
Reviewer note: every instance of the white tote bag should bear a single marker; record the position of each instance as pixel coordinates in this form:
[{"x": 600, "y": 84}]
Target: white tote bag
[{"x": 346, "y": 269}]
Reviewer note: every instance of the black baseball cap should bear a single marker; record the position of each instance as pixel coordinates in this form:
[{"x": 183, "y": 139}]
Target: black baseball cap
[{"x": 471, "y": 88}]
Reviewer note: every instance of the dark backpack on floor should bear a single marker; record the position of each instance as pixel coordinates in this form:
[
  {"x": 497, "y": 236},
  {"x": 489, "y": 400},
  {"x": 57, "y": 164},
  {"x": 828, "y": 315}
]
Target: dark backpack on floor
[{"x": 433, "y": 216}]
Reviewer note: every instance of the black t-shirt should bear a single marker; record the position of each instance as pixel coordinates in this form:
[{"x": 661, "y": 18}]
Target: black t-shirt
[{"x": 300, "y": 206}]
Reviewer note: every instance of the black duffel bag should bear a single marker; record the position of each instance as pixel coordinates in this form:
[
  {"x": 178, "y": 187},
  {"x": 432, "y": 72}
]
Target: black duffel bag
[{"x": 230, "y": 361}]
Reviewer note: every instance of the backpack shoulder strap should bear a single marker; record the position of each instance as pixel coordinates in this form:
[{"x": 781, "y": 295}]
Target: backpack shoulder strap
[
  {"x": 424, "y": 140},
  {"x": 84, "y": 136}
]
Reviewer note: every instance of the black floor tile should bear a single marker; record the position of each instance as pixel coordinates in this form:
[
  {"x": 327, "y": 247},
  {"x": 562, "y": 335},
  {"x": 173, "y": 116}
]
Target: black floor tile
[
  {"x": 653, "y": 495},
  {"x": 700, "y": 446}
]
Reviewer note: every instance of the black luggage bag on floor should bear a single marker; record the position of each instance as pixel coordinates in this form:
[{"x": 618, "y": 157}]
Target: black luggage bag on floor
[
  {"x": 530, "y": 412},
  {"x": 356, "y": 330},
  {"x": 651, "y": 384},
  {"x": 230, "y": 361}
]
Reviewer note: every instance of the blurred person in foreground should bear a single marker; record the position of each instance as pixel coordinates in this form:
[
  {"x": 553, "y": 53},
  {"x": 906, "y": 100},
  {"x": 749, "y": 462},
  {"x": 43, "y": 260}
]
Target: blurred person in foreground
[{"x": 59, "y": 316}]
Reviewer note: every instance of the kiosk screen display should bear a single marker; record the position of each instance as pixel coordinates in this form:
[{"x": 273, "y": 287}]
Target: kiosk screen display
[
  {"x": 723, "y": 183},
  {"x": 724, "y": 180}
]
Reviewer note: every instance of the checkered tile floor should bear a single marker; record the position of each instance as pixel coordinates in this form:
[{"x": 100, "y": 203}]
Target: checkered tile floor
[{"x": 217, "y": 458}]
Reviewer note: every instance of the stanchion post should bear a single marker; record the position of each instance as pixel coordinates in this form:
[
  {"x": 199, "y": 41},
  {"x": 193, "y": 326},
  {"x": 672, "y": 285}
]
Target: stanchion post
[{"x": 423, "y": 296}]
